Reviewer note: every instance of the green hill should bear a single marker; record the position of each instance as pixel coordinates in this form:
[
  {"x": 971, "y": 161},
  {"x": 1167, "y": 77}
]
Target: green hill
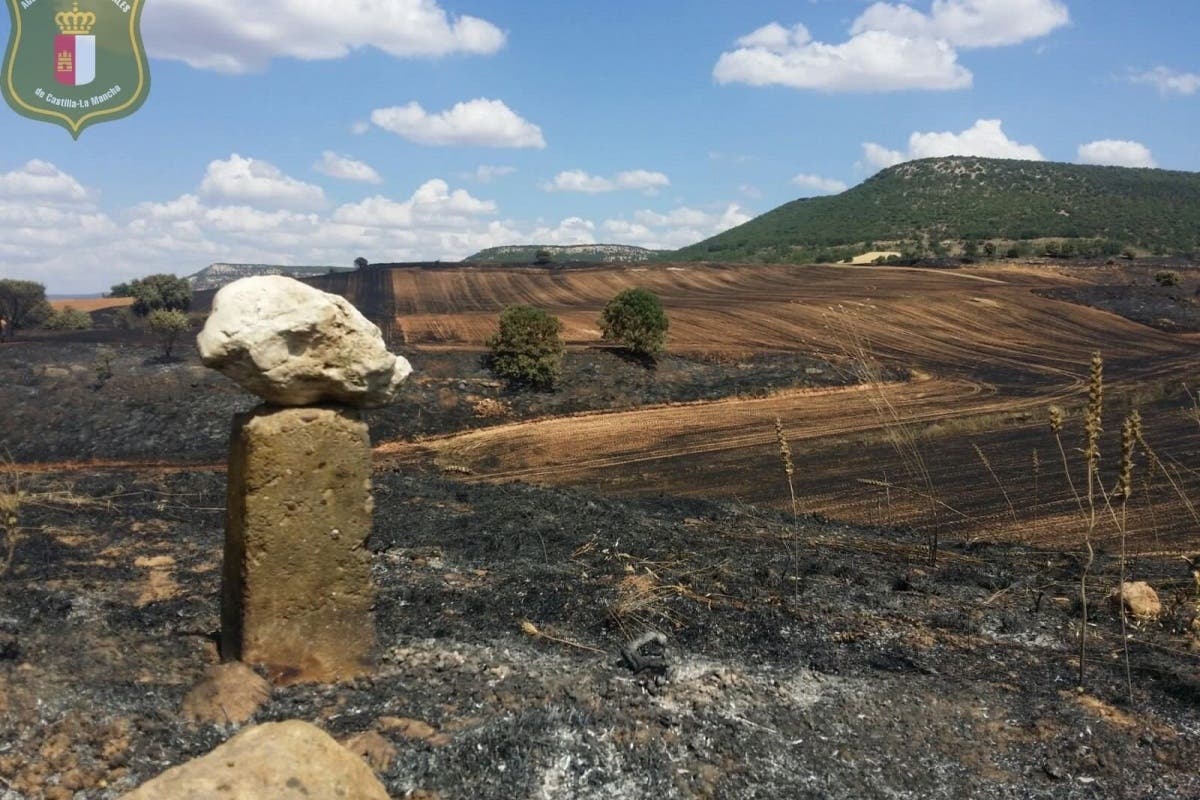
[
  {"x": 940, "y": 205},
  {"x": 558, "y": 254}
]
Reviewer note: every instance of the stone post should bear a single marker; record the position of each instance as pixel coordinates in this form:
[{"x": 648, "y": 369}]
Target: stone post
[{"x": 296, "y": 594}]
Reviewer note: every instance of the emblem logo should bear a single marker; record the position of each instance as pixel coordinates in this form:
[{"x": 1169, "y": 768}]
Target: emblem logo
[{"x": 75, "y": 62}]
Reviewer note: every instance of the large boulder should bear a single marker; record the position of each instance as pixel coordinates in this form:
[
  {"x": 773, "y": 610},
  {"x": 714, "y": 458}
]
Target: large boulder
[
  {"x": 294, "y": 345},
  {"x": 277, "y": 761}
]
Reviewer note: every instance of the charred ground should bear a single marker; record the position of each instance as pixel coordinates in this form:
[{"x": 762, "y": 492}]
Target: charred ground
[{"x": 810, "y": 660}]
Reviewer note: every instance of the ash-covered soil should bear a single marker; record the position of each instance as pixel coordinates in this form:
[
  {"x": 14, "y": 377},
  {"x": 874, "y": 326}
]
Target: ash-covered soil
[
  {"x": 802, "y": 661},
  {"x": 106, "y": 395}
]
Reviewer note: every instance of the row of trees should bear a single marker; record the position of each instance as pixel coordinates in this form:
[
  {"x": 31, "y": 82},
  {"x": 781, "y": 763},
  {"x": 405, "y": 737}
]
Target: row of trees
[
  {"x": 528, "y": 347},
  {"x": 161, "y": 300}
]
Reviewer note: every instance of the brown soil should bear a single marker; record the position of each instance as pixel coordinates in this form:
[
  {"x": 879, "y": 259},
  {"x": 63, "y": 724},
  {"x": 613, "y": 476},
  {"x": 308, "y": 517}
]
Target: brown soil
[
  {"x": 90, "y": 304},
  {"x": 989, "y": 350}
]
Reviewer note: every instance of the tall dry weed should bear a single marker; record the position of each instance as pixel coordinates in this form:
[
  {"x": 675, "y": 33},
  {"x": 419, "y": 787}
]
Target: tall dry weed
[
  {"x": 11, "y": 499},
  {"x": 901, "y": 433}
]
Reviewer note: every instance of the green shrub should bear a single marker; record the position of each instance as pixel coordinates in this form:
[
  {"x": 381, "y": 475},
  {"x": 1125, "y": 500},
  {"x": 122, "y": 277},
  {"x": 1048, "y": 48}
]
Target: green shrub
[
  {"x": 1167, "y": 277},
  {"x": 636, "y": 320},
  {"x": 103, "y": 366},
  {"x": 155, "y": 292},
  {"x": 528, "y": 347},
  {"x": 168, "y": 326},
  {"x": 23, "y": 303},
  {"x": 69, "y": 319}
]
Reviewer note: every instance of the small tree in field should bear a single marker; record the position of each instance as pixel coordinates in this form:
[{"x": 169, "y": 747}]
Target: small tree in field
[
  {"x": 361, "y": 263},
  {"x": 528, "y": 347},
  {"x": 155, "y": 292},
  {"x": 168, "y": 326},
  {"x": 635, "y": 319},
  {"x": 23, "y": 303}
]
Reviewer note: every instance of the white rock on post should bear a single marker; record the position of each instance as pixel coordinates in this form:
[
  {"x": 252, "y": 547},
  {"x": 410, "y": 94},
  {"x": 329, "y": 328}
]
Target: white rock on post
[{"x": 294, "y": 345}]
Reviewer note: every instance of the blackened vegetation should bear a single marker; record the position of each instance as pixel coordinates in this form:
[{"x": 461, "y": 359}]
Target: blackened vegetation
[
  {"x": 816, "y": 660},
  {"x": 1140, "y": 294},
  {"x": 142, "y": 408}
]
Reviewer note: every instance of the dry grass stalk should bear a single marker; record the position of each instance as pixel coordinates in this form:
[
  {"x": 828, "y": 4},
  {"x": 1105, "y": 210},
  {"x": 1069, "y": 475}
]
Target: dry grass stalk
[
  {"x": 988, "y": 465},
  {"x": 10, "y": 517},
  {"x": 789, "y": 469},
  {"x": 11, "y": 500},
  {"x": 1093, "y": 426},
  {"x": 901, "y": 433},
  {"x": 1130, "y": 431},
  {"x": 1037, "y": 472},
  {"x": 529, "y": 629}
]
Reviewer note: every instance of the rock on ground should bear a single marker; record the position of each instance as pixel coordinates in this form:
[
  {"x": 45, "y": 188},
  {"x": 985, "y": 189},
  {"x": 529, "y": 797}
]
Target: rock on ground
[
  {"x": 228, "y": 693},
  {"x": 1140, "y": 599},
  {"x": 278, "y": 761},
  {"x": 294, "y": 345}
]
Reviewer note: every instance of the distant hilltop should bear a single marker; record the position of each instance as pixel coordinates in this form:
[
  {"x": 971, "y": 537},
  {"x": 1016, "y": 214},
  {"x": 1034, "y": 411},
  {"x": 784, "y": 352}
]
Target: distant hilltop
[
  {"x": 569, "y": 254},
  {"x": 960, "y": 205},
  {"x": 214, "y": 276}
]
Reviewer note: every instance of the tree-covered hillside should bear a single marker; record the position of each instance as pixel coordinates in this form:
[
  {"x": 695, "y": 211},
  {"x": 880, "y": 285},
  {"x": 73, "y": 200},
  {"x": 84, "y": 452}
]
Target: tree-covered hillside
[
  {"x": 560, "y": 254},
  {"x": 921, "y": 206}
]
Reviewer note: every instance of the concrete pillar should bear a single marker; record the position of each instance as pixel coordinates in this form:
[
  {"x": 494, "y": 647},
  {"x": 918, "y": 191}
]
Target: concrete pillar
[{"x": 296, "y": 592}]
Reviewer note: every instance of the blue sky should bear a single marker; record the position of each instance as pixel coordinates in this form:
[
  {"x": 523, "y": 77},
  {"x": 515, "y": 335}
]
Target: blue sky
[{"x": 307, "y": 133}]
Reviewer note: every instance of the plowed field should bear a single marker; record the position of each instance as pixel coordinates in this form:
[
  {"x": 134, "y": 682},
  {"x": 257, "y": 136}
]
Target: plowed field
[{"x": 988, "y": 357}]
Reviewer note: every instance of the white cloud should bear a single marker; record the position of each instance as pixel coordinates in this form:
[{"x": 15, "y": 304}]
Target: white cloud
[
  {"x": 818, "y": 184},
  {"x": 488, "y": 173},
  {"x": 776, "y": 38},
  {"x": 643, "y": 180},
  {"x": 576, "y": 180},
  {"x": 1116, "y": 153},
  {"x": 572, "y": 230},
  {"x": 346, "y": 168},
  {"x": 1169, "y": 81},
  {"x": 879, "y": 157},
  {"x": 41, "y": 180},
  {"x": 249, "y": 180},
  {"x": 967, "y": 23},
  {"x": 75, "y": 249},
  {"x": 360, "y": 127},
  {"x": 72, "y": 247},
  {"x": 986, "y": 138},
  {"x": 677, "y": 228},
  {"x": 479, "y": 123},
  {"x": 431, "y": 205},
  {"x": 874, "y": 61},
  {"x": 892, "y": 47},
  {"x": 242, "y": 37}
]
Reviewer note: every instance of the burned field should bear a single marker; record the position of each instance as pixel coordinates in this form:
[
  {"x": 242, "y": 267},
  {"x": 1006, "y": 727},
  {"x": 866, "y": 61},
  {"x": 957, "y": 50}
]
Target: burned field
[
  {"x": 805, "y": 660},
  {"x": 954, "y": 447},
  {"x": 523, "y": 540}
]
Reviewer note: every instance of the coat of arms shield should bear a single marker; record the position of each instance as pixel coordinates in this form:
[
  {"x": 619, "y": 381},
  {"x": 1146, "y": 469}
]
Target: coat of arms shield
[{"x": 75, "y": 62}]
